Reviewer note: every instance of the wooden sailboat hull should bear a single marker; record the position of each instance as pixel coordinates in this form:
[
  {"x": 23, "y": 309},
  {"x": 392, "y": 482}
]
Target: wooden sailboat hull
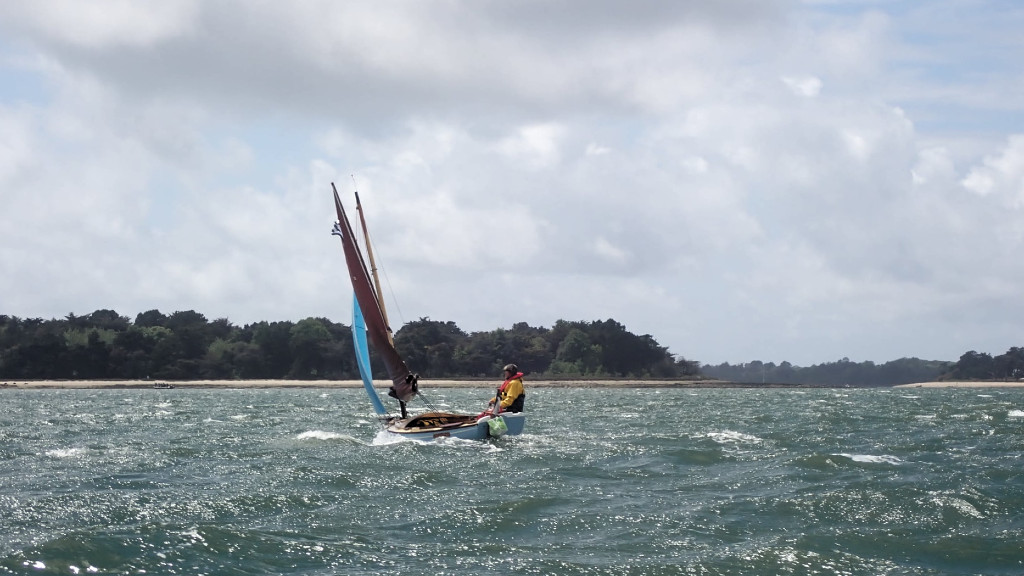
[
  {"x": 434, "y": 425},
  {"x": 370, "y": 325}
]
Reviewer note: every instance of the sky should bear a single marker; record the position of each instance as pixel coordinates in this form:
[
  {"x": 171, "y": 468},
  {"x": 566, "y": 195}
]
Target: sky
[{"x": 773, "y": 180}]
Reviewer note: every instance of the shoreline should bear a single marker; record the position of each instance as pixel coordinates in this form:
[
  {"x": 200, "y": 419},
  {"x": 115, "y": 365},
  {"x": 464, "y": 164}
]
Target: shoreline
[
  {"x": 427, "y": 384},
  {"x": 966, "y": 384},
  {"x": 380, "y": 384}
]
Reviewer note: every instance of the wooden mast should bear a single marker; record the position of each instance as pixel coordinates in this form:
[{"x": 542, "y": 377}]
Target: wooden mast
[{"x": 373, "y": 269}]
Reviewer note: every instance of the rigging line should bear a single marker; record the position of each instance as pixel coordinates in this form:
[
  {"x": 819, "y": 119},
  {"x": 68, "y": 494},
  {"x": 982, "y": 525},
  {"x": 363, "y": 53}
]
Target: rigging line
[
  {"x": 426, "y": 402},
  {"x": 387, "y": 280}
]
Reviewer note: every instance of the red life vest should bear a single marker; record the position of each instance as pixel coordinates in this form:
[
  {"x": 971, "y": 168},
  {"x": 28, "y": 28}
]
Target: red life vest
[{"x": 505, "y": 383}]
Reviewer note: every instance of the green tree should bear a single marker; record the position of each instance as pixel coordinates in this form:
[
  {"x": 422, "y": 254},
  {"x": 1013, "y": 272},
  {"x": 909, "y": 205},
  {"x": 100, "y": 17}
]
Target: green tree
[
  {"x": 974, "y": 365},
  {"x": 1010, "y": 364},
  {"x": 107, "y": 320},
  {"x": 131, "y": 351},
  {"x": 478, "y": 355},
  {"x": 531, "y": 349},
  {"x": 248, "y": 361},
  {"x": 274, "y": 342},
  {"x": 150, "y": 318},
  {"x": 219, "y": 362},
  {"x": 308, "y": 341},
  {"x": 93, "y": 360},
  {"x": 429, "y": 347},
  {"x": 44, "y": 357},
  {"x": 577, "y": 355},
  {"x": 339, "y": 361}
]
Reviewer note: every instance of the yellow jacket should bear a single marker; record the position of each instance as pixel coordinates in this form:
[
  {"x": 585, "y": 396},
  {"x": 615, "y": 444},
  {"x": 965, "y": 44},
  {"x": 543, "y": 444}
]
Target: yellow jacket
[{"x": 510, "y": 392}]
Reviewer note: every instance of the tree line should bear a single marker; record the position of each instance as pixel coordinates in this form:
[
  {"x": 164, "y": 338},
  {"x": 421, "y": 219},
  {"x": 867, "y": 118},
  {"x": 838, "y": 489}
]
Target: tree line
[
  {"x": 971, "y": 366},
  {"x": 982, "y": 366},
  {"x": 840, "y": 373},
  {"x": 185, "y": 345}
]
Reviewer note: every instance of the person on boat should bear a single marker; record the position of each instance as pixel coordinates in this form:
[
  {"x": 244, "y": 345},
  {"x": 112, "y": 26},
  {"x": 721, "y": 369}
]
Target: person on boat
[{"x": 510, "y": 393}]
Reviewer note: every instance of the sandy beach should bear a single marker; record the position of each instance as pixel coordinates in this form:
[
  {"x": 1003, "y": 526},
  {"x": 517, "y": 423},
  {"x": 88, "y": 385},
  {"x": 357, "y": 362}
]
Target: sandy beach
[
  {"x": 966, "y": 384},
  {"x": 383, "y": 384}
]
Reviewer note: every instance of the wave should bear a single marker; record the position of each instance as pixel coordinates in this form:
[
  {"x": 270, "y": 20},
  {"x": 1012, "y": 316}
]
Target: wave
[
  {"x": 64, "y": 452},
  {"x": 732, "y": 437},
  {"x": 872, "y": 459},
  {"x": 324, "y": 435},
  {"x": 824, "y": 462}
]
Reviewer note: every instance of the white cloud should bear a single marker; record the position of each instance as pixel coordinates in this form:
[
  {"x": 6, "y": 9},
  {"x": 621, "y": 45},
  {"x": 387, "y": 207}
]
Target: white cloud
[
  {"x": 536, "y": 146},
  {"x": 809, "y": 86},
  {"x": 679, "y": 167},
  {"x": 695, "y": 165},
  {"x": 610, "y": 252},
  {"x": 1001, "y": 174},
  {"x": 933, "y": 164},
  {"x": 16, "y": 147},
  {"x": 106, "y": 23}
]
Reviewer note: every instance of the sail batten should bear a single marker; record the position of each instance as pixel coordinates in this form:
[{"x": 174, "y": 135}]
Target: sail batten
[{"x": 403, "y": 381}]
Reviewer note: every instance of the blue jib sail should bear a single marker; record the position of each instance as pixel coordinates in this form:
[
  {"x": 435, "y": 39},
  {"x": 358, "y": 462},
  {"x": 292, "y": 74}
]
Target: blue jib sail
[{"x": 363, "y": 356}]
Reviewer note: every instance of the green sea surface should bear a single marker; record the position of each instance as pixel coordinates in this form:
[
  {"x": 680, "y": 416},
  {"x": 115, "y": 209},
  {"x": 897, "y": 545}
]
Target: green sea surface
[{"x": 603, "y": 482}]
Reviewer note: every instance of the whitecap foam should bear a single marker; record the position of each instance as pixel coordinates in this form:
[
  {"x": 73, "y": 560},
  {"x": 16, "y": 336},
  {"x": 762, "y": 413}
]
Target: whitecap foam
[
  {"x": 64, "y": 452},
  {"x": 383, "y": 438},
  {"x": 732, "y": 437},
  {"x": 1015, "y": 414},
  {"x": 872, "y": 459},
  {"x": 960, "y": 505},
  {"x": 321, "y": 435},
  {"x": 324, "y": 435}
]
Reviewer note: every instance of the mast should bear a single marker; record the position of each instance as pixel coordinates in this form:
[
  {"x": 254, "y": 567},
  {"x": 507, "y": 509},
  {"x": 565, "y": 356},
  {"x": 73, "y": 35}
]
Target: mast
[{"x": 373, "y": 269}]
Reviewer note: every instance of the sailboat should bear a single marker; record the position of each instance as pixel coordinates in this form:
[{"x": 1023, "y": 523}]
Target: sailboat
[{"x": 370, "y": 327}]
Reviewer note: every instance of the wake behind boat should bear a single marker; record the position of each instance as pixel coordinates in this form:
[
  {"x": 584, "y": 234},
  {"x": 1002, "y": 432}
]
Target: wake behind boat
[{"x": 370, "y": 327}]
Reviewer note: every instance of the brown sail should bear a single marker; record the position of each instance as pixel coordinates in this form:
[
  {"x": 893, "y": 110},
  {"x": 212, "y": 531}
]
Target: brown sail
[{"x": 403, "y": 381}]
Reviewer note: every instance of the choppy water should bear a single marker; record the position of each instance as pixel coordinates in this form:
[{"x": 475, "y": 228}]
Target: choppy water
[{"x": 645, "y": 482}]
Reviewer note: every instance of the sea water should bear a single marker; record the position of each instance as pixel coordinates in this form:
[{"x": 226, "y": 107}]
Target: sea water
[{"x": 605, "y": 481}]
